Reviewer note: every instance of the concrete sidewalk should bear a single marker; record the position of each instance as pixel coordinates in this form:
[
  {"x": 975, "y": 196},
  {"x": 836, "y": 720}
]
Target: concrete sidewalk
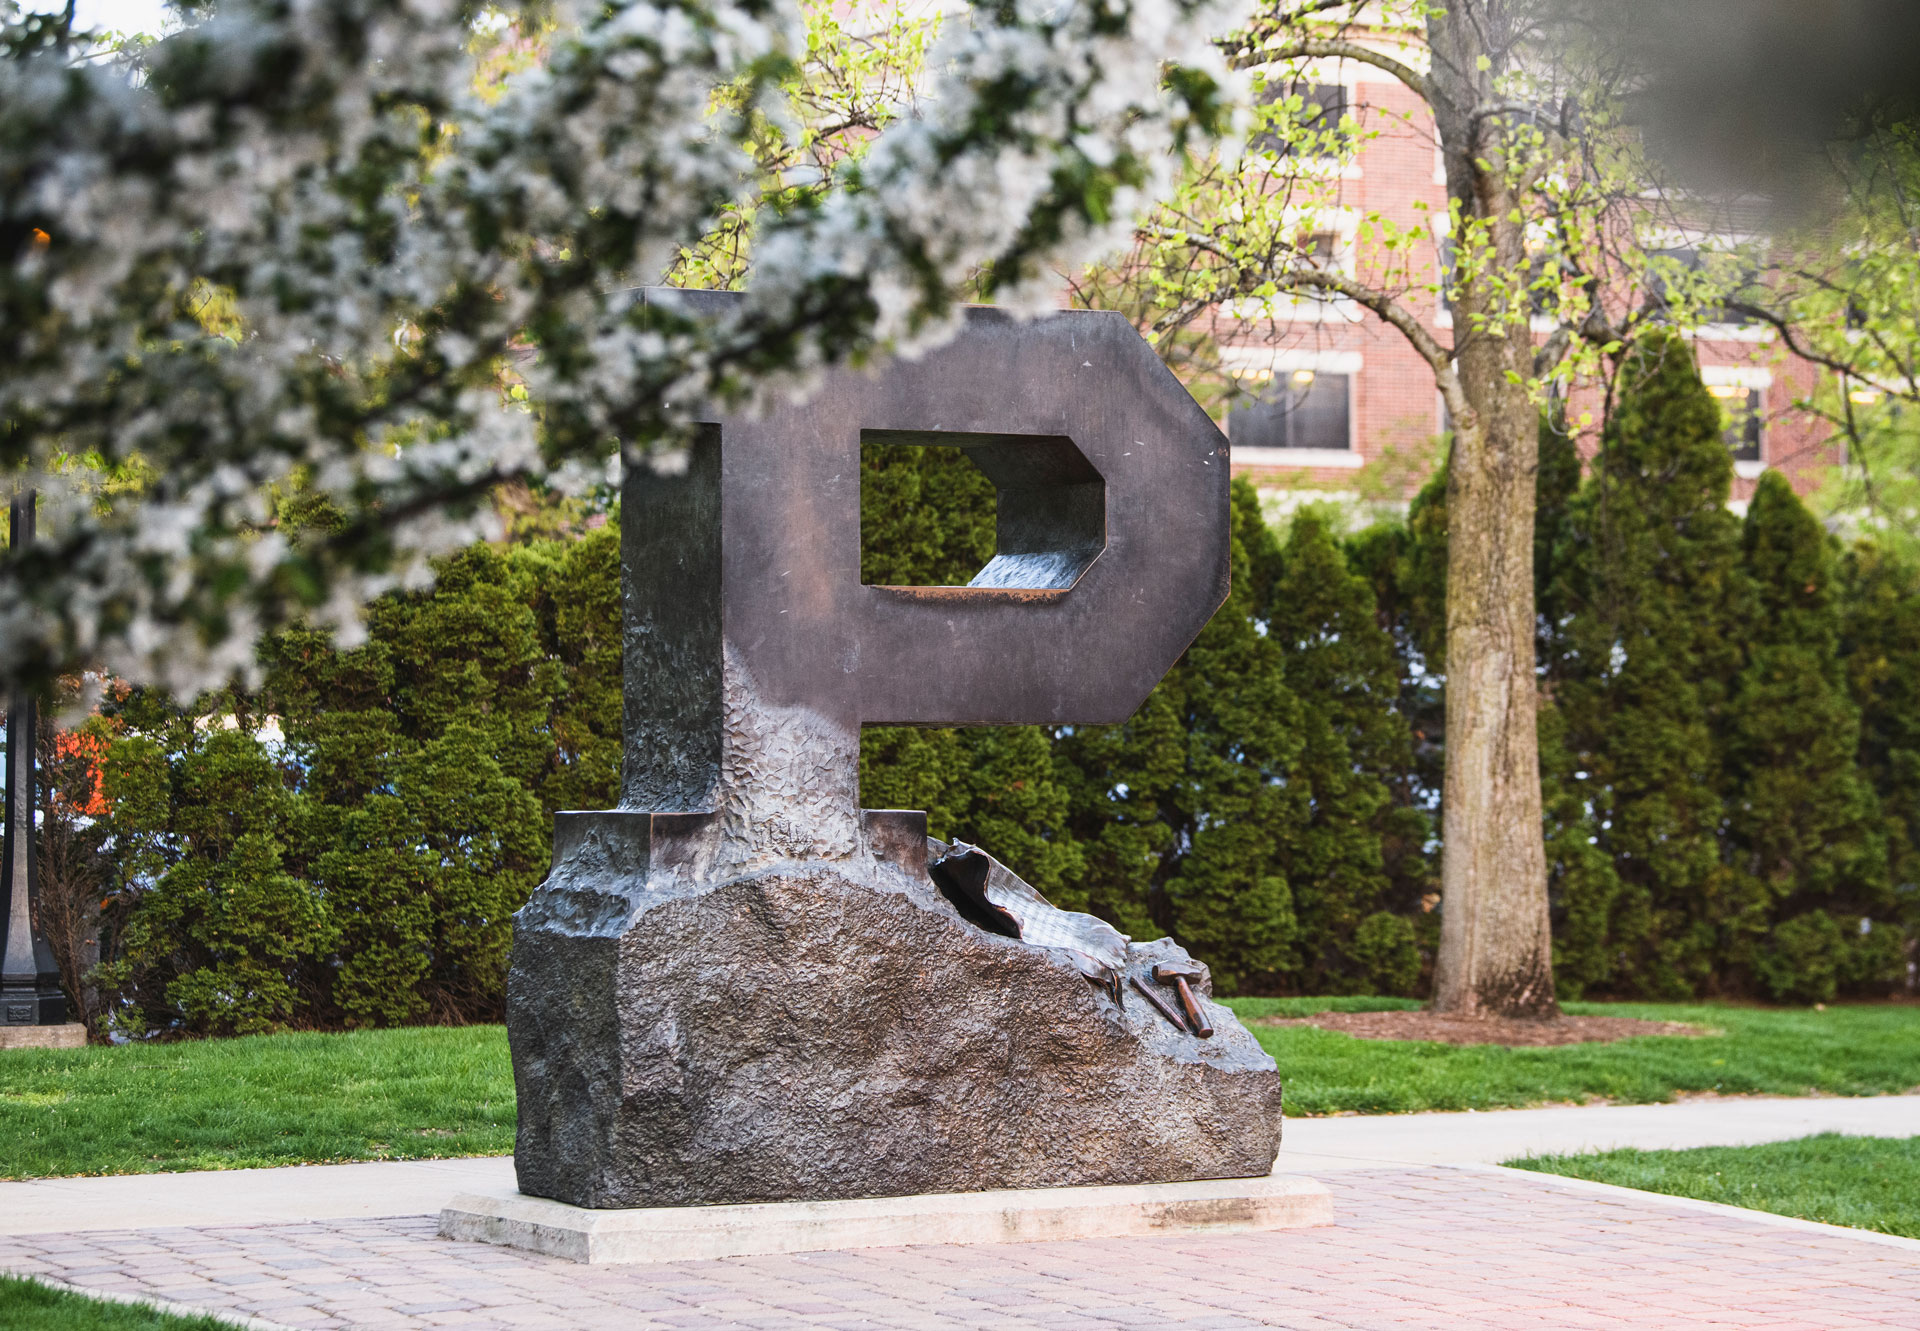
[
  {"x": 1315, "y": 1146},
  {"x": 1412, "y": 1249},
  {"x": 1328, "y": 1145}
]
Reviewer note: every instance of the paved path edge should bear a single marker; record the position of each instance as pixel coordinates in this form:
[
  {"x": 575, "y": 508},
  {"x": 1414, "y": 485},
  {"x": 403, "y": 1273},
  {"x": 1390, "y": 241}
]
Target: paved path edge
[
  {"x": 166, "y": 1306},
  {"x": 1544, "y": 1252},
  {"x": 1773, "y": 1218}
]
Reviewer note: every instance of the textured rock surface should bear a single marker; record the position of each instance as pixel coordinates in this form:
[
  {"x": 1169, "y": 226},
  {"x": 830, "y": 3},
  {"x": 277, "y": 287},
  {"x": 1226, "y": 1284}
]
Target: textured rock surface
[{"x": 838, "y": 1030}]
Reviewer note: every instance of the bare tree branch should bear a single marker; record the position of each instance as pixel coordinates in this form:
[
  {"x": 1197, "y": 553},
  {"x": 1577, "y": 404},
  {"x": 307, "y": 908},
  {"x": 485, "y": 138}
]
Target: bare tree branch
[
  {"x": 1551, "y": 351},
  {"x": 1546, "y": 117},
  {"x": 1389, "y": 310},
  {"x": 1794, "y": 342},
  {"x": 1250, "y": 54},
  {"x": 1281, "y": 22}
]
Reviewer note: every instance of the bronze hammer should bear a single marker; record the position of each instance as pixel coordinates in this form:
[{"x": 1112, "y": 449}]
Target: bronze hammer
[
  {"x": 1160, "y": 1004},
  {"x": 1179, "y": 975}
]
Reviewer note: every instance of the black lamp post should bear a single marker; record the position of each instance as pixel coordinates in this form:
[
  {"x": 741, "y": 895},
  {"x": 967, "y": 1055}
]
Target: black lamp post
[{"x": 29, "y": 978}]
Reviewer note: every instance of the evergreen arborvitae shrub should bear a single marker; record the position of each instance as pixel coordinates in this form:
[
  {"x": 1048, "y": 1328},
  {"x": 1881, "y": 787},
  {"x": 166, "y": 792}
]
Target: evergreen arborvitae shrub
[
  {"x": 1880, "y": 645},
  {"x": 425, "y": 748},
  {"x": 926, "y": 516},
  {"x": 1248, "y": 808},
  {"x": 1803, "y": 959},
  {"x": 1806, "y": 835},
  {"x": 1646, "y": 638},
  {"x": 1581, "y": 884},
  {"x": 1184, "y": 813},
  {"x": 1341, "y": 667},
  {"x": 1385, "y": 954},
  {"x": 575, "y": 598},
  {"x": 1730, "y": 756},
  {"x": 363, "y": 866},
  {"x": 1405, "y": 565},
  {"x": 224, "y": 939}
]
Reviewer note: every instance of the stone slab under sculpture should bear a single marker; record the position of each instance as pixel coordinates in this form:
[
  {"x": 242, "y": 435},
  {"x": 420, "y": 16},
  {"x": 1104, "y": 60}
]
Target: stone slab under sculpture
[{"x": 741, "y": 987}]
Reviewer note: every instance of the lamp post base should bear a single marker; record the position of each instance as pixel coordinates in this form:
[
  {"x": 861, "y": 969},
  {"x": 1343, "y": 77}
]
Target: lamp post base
[{"x": 66, "y": 1035}]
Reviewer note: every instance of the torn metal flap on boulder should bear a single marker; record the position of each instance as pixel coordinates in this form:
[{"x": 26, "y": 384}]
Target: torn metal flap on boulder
[
  {"x": 993, "y": 892},
  {"x": 961, "y": 875}
]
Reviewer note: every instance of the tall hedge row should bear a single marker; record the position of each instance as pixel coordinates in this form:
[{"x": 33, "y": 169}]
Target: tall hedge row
[
  {"x": 1726, "y": 731},
  {"x": 1730, "y": 738},
  {"x": 347, "y": 847}
]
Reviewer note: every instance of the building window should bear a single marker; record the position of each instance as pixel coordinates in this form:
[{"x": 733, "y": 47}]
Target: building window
[
  {"x": 1295, "y": 409},
  {"x": 1731, "y": 278},
  {"x": 1740, "y": 410},
  {"x": 1321, "y": 107},
  {"x": 1318, "y": 250}
]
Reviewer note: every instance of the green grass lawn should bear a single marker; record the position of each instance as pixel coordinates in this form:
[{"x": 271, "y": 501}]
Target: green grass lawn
[
  {"x": 426, "y": 1092},
  {"x": 1864, "y": 1182},
  {"x": 263, "y": 1100},
  {"x": 1845, "y": 1050},
  {"x": 27, "y": 1305}
]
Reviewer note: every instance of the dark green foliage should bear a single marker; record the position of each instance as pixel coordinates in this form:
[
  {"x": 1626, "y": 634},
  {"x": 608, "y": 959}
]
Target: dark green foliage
[
  {"x": 1880, "y": 644},
  {"x": 1405, "y": 564},
  {"x": 926, "y": 516},
  {"x": 1581, "y": 884},
  {"x": 1802, "y": 959},
  {"x": 576, "y": 600},
  {"x": 1385, "y": 953},
  {"x": 223, "y": 934},
  {"x": 1806, "y": 838},
  {"x": 1644, "y": 604},
  {"x": 1729, "y": 750},
  {"x": 1247, "y": 809},
  {"x": 1729, "y": 730},
  {"x": 1556, "y": 486},
  {"x": 1710, "y": 827},
  {"x": 992, "y": 786},
  {"x": 427, "y": 749},
  {"x": 1360, "y": 848},
  {"x": 1422, "y": 576},
  {"x": 1185, "y": 811},
  {"x": 362, "y": 866}
]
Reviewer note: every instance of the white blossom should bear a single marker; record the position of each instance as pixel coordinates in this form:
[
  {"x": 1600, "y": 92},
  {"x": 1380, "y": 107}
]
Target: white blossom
[{"x": 378, "y": 241}]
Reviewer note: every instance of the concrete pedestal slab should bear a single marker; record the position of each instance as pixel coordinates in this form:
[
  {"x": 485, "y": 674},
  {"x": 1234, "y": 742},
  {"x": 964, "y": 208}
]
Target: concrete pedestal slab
[
  {"x": 67, "y": 1035},
  {"x": 1022, "y": 1215}
]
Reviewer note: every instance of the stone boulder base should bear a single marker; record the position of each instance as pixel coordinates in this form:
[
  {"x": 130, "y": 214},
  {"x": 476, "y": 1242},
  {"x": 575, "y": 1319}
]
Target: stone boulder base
[{"x": 802, "y": 1034}]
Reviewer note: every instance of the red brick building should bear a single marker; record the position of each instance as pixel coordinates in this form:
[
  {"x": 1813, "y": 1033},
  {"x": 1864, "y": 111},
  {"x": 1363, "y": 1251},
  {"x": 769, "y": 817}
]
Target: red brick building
[{"x": 1348, "y": 407}]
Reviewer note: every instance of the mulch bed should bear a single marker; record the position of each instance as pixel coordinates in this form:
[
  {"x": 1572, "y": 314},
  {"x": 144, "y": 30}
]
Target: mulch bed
[{"x": 1508, "y": 1031}]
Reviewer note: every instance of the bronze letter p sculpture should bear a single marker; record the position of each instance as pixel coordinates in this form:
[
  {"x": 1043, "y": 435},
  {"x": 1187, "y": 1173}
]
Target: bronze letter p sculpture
[{"x": 739, "y": 986}]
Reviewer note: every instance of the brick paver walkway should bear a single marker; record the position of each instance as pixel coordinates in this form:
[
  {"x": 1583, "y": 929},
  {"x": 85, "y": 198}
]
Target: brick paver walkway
[{"x": 1411, "y": 1248}]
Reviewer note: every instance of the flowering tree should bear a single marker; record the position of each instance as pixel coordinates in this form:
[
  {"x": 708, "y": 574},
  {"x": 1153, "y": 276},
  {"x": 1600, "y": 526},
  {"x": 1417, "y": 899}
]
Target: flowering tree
[{"x": 286, "y": 295}]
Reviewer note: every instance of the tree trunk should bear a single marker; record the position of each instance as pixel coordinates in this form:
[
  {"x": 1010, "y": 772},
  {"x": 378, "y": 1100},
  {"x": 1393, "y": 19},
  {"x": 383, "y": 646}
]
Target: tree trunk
[{"x": 1496, "y": 955}]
